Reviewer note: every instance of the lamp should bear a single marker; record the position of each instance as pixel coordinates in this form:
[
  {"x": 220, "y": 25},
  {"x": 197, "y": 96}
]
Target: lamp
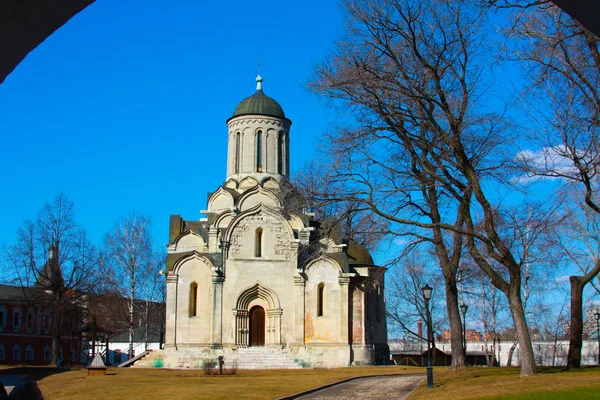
[
  {"x": 427, "y": 292},
  {"x": 463, "y": 309}
]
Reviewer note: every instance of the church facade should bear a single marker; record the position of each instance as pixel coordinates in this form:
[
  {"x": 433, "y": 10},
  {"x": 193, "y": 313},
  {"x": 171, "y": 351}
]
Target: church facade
[{"x": 259, "y": 272}]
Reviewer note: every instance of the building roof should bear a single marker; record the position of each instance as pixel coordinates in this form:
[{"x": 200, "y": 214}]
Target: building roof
[
  {"x": 259, "y": 103},
  {"x": 19, "y": 294},
  {"x": 139, "y": 334},
  {"x": 358, "y": 254}
]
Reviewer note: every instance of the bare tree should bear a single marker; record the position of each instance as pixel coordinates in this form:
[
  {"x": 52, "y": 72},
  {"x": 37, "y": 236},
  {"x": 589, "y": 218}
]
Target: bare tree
[
  {"x": 57, "y": 266},
  {"x": 419, "y": 151},
  {"x": 562, "y": 59},
  {"x": 128, "y": 247},
  {"x": 404, "y": 300}
]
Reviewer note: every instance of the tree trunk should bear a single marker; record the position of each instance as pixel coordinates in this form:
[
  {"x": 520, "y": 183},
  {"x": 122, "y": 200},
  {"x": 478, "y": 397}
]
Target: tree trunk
[
  {"x": 511, "y": 351},
  {"x": 523, "y": 337},
  {"x": 456, "y": 340},
  {"x": 576, "y": 331},
  {"x": 131, "y": 324}
]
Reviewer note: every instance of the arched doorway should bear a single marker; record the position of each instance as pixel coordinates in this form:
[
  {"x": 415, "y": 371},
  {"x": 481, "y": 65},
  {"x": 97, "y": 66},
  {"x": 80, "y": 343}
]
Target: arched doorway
[{"x": 257, "y": 326}]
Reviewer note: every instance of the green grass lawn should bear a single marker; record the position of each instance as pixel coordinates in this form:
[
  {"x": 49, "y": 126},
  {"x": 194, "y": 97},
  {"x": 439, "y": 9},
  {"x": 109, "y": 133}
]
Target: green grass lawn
[
  {"x": 505, "y": 383},
  {"x": 470, "y": 383},
  {"x": 133, "y": 383}
]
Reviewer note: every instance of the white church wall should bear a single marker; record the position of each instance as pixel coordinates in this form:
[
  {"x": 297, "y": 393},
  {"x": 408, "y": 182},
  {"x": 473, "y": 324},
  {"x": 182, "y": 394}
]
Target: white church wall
[
  {"x": 194, "y": 329},
  {"x": 324, "y": 328},
  {"x": 273, "y": 274}
]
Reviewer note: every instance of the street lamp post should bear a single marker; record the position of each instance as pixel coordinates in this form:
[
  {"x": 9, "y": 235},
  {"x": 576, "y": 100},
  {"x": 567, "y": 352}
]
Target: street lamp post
[
  {"x": 426, "y": 290},
  {"x": 597, "y": 314},
  {"x": 463, "y": 310}
]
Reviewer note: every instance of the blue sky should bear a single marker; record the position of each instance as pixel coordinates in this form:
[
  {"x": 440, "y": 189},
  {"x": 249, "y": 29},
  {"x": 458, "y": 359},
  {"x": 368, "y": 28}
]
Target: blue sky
[{"x": 124, "y": 107}]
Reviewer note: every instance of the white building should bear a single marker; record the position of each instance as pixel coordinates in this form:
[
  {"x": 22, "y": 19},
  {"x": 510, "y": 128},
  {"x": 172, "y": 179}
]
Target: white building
[{"x": 258, "y": 277}]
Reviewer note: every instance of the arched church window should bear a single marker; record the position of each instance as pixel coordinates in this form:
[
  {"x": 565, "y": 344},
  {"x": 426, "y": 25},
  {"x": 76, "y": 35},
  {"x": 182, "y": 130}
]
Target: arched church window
[
  {"x": 237, "y": 153},
  {"x": 259, "y": 151},
  {"x": 258, "y": 243},
  {"x": 280, "y": 153},
  {"x": 320, "y": 299},
  {"x": 193, "y": 299}
]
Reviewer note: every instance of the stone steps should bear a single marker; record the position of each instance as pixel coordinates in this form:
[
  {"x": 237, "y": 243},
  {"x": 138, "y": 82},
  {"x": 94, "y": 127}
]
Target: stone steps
[
  {"x": 151, "y": 360},
  {"x": 244, "y": 358},
  {"x": 264, "y": 358}
]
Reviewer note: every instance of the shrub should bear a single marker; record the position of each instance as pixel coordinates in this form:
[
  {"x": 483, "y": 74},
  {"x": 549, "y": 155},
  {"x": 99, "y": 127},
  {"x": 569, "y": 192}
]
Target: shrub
[
  {"x": 209, "y": 366},
  {"x": 232, "y": 368}
]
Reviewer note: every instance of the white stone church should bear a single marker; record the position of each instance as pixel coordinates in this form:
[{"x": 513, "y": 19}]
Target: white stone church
[{"x": 259, "y": 280}]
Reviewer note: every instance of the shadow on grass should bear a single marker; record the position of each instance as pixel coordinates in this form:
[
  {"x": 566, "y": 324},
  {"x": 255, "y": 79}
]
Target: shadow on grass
[{"x": 34, "y": 373}]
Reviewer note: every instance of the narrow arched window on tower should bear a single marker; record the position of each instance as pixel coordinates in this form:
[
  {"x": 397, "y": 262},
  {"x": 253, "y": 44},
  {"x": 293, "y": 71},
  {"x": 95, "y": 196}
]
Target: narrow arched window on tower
[
  {"x": 258, "y": 243},
  {"x": 259, "y": 151},
  {"x": 237, "y": 153},
  {"x": 280, "y": 153},
  {"x": 193, "y": 299},
  {"x": 320, "y": 299}
]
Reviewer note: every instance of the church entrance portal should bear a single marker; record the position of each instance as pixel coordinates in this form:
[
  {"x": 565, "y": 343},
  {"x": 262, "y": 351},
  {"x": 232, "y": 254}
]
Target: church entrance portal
[{"x": 257, "y": 326}]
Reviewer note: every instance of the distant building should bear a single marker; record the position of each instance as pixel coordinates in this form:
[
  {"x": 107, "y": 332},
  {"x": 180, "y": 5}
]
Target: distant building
[{"x": 26, "y": 323}]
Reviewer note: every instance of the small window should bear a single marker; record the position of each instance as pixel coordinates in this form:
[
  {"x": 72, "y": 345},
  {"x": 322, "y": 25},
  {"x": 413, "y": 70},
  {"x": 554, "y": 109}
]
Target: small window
[
  {"x": 2, "y": 316},
  {"x": 193, "y": 299},
  {"x": 30, "y": 319},
  {"x": 16, "y": 352},
  {"x": 47, "y": 353},
  {"x": 259, "y": 165},
  {"x": 2, "y": 353},
  {"x": 280, "y": 153},
  {"x": 258, "y": 243},
  {"x": 17, "y": 317},
  {"x": 320, "y": 299},
  {"x": 237, "y": 153},
  {"x": 29, "y": 352}
]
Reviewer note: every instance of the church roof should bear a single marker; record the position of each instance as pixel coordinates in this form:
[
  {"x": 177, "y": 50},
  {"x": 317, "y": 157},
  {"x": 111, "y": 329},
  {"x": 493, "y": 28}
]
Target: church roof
[
  {"x": 358, "y": 254},
  {"x": 259, "y": 103}
]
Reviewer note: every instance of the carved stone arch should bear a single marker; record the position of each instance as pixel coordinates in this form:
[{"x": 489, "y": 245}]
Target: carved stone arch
[
  {"x": 221, "y": 200},
  {"x": 258, "y": 290},
  {"x": 329, "y": 244},
  {"x": 326, "y": 258},
  {"x": 231, "y": 184},
  {"x": 247, "y": 183},
  {"x": 270, "y": 300},
  {"x": 270, "y": 183},
  {"x": 296, "y": 222},
  {"x": 261, "y": 195},
  {"x": 221, "y": 221},
  {"x": 283, "y": 232},
  {"x": 184, "y": 236},
  {"x": 194, "y": 255}
]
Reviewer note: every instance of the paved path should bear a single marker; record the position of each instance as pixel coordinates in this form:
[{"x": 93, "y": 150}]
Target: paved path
[{"x": 381, "y": 387}]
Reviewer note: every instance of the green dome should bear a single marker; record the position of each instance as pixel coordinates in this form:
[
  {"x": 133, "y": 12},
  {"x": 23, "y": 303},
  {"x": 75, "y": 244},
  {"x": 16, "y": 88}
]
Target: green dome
[{"x": 259, "y": 103}]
